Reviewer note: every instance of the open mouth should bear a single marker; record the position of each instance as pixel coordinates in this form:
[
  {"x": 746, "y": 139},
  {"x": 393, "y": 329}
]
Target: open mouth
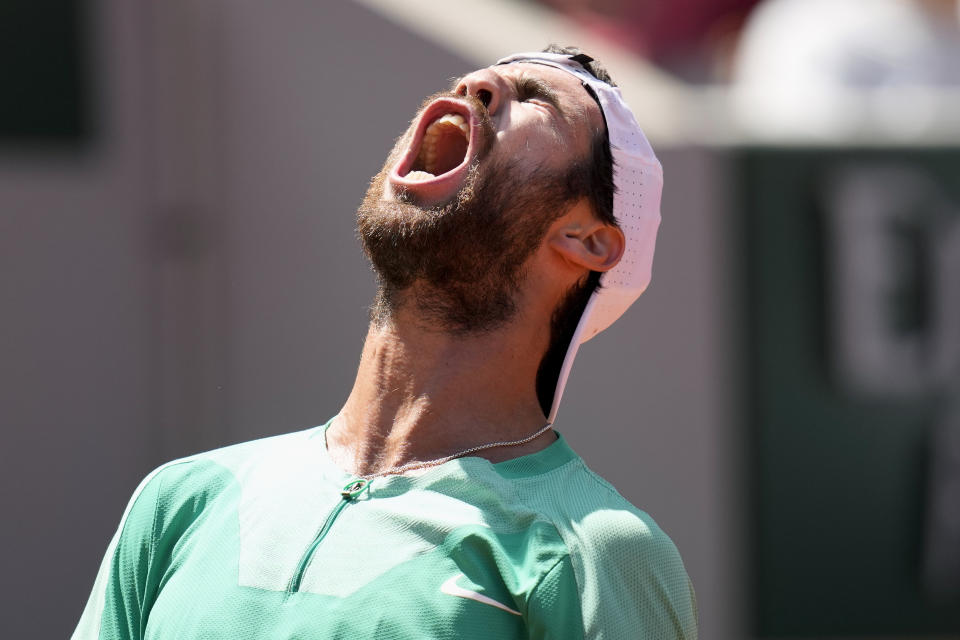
[
  {"x": 442, "y": 149},
  {"x": 435, "y": 164}
]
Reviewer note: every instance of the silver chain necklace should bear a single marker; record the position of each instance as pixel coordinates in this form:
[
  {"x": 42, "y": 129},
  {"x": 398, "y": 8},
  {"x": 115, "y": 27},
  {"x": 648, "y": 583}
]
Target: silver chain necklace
[{"x": 357, "y": 486}]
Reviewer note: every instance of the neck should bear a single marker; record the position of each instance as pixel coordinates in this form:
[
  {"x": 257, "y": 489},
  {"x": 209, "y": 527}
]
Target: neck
[{"x": 422, "y": 395}]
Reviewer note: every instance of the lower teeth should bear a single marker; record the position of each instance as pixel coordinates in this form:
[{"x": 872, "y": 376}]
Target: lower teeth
[{"x": 419, "y": 175}]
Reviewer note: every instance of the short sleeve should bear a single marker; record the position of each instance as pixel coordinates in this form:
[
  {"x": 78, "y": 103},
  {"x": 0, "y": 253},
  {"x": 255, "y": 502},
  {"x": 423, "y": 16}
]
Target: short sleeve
[
  {"x": 123, "y": 587},
  {"x": 631, "y": 579},
  {"x": 161, "y": 511}
]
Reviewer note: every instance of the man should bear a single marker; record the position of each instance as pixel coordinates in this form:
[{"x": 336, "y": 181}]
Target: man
[{"x": 439, "y": 503}]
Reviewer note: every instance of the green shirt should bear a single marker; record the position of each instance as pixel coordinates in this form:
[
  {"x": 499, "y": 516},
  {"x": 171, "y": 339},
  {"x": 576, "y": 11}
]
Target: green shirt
[{"x": 257, "y": 540}]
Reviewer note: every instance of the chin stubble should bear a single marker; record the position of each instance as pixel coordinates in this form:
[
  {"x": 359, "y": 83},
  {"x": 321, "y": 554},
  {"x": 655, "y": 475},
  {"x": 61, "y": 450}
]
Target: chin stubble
[{"x": 460, "y": 264}]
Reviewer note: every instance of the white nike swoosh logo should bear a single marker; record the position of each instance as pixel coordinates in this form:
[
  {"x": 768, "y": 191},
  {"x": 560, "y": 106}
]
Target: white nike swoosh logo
[{"x": 451, "y": 588}]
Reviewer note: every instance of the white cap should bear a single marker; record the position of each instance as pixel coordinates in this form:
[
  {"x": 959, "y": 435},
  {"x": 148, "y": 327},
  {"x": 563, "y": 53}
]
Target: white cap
[{"x": 638, "y": 181}]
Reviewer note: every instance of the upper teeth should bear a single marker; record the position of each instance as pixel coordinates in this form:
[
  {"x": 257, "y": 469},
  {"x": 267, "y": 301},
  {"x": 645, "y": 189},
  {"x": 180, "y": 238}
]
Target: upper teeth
[
  {"x": 452, "y": 118},
  {"x": 428, "y": 150}
]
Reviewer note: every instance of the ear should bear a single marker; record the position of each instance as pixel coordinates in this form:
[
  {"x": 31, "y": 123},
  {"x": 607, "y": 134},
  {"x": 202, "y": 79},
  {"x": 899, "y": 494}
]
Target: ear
[{"x": 587, "y": 242}]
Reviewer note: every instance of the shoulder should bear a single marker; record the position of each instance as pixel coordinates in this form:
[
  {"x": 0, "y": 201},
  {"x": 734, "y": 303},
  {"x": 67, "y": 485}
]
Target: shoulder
[
  {"x": 608, "y": 521},
  {"x": 175, "y": 493},
  {"x": 601, "y": 526},
  {"x": 232, "y": 459},
  {"x": 161, "y": 515},
  {"x": 630, "y": 577}
]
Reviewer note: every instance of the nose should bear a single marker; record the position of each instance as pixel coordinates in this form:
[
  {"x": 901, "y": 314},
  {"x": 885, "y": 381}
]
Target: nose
[{"x": 485, "y": 86}]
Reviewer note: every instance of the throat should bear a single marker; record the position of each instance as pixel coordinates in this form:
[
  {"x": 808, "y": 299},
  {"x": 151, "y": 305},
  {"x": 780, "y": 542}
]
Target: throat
[{"x": 424, "y": 397}]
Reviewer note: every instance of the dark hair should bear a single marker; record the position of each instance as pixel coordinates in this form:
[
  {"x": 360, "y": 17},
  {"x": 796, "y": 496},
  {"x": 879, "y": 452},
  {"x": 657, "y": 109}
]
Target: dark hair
[
  {"x": 595, "y": 67},
  {"x": 591, "y": 177}
]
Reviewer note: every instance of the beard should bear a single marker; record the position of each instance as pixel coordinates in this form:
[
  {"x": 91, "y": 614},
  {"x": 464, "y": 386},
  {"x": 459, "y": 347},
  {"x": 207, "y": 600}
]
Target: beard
[{"x": 461, "y": 264}]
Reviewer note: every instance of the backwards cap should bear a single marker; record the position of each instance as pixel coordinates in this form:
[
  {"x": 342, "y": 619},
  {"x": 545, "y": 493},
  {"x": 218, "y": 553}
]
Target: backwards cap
[{"x": 638, "y": 181}]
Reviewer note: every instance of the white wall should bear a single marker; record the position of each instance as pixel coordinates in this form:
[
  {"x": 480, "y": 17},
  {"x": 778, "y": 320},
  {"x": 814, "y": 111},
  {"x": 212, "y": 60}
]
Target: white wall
[{"x": 76, "y": 344}]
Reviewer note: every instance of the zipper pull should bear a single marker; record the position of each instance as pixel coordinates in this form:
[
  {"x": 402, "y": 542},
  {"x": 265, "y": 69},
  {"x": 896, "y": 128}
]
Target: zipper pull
[{"x": 354, "y": 489}]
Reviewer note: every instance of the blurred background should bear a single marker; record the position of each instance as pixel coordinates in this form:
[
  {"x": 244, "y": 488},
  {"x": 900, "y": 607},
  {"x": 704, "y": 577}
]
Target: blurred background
[{"x": 178, "y": 271}]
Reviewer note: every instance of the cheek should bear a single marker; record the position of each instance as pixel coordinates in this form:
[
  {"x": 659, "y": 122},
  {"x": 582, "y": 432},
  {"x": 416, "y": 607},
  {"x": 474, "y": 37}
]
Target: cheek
[{"x": 538, "y": 143}]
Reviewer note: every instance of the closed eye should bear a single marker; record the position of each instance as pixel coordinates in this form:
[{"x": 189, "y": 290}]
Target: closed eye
[{"x": 530, "y": 88}]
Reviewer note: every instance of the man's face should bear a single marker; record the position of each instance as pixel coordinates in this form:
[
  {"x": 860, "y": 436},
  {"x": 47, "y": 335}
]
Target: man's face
[{"x": 466, "y": 195}]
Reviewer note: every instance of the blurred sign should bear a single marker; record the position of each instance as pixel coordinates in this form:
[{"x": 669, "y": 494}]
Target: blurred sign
[
  {"x": 852, "y": 268},
  {"x": 894, "y": 238}
]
